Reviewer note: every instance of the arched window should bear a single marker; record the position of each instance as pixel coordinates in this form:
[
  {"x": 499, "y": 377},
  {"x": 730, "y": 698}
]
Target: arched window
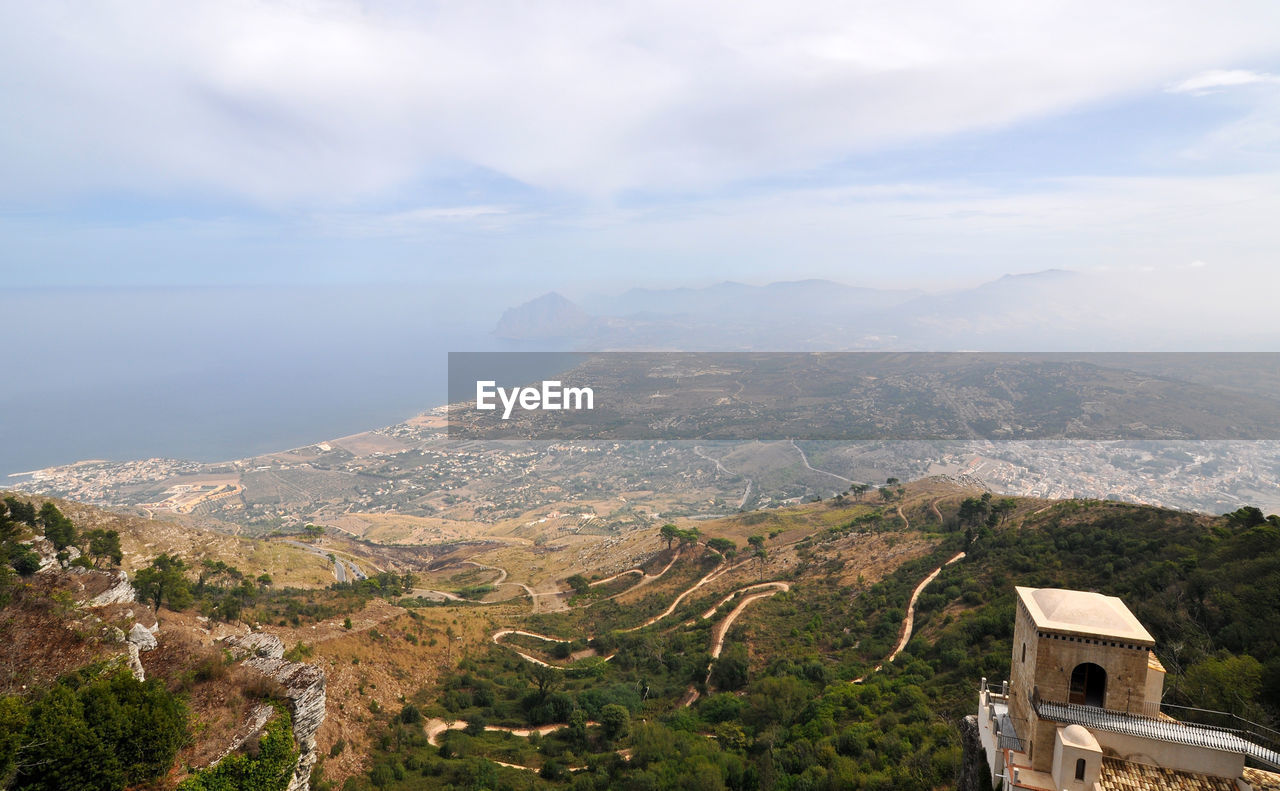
[
  {"x": 1079, "y": 768},
  {"x": 1088, "y": 685}
]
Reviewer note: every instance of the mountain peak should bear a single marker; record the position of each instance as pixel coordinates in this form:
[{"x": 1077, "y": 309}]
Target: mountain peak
[{"x": 551, "y": 315}]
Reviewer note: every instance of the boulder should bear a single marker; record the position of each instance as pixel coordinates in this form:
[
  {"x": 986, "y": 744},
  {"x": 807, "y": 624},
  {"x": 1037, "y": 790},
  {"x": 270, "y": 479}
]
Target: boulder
[
  {"x": 142, "y": 637},
  {"x": 120, "y": 591}
]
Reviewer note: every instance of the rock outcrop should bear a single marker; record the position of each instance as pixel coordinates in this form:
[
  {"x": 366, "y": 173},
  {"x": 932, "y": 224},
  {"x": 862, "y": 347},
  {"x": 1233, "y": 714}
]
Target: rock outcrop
[
  {"x": 48, "y": 555},
  {"x": 259, "y": 644},
  {"x": 135, "y": 661},
  {"x": 304, "y": 686},
  {"x": 258, "y": 719},
  {"x": 974, "y": 771},
  {"x": 120, "y": 591},
  {"x": 142, "y": 637}
]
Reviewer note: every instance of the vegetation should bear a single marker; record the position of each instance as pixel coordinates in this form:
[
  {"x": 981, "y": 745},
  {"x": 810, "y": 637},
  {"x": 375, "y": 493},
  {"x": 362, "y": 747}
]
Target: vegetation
[
  {"x": 270, "y": 768},
  {"x": 780, "y": 702},
  {"x": 20, "y": 519},
  {"x": 98, "y": 732}
]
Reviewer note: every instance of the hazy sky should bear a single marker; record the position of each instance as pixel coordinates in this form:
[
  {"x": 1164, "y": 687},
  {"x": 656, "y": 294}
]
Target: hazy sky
[{"x": 580, "y": 144}]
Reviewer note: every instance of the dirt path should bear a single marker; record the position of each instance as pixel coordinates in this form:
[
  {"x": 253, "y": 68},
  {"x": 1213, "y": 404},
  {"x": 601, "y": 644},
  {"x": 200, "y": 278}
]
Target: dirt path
[
  {"x": 908, "y": 623},
  {"x": 619, "y": 575},
  {"x": 501, "y": 633},
  {"x": 502, "y": 573},
  {"x": 934, "y": 506},
  {"x": 441, "y": 594},
  {"x": 905, "y": 521},
  {"x": 436, "y": 727},
  {"x": 721, "y": 629},
  {"x": 645, "y": 579},
  {"x": 712, "y": 575},
  {"x": 731, "y": 596}
]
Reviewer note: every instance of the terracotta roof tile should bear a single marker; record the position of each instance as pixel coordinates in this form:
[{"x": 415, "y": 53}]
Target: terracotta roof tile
[
  {"x": 1262, "y": 781},
  {"x": 1120, "y": 775}
]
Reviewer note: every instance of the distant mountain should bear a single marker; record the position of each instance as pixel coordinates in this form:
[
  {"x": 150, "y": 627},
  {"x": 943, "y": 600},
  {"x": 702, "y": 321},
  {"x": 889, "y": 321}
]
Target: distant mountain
[
  {"x": 1050, "y": 310},
  {"x": 550, "y": 316},
  {"x": 821, "y": 296}
]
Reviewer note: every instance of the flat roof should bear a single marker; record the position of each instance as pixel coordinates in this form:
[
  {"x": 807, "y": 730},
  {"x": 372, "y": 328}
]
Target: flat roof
[{"x": 1083, "y": 613}]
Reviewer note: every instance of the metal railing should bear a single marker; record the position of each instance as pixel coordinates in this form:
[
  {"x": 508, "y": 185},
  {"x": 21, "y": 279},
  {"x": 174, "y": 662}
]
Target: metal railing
[{"x": 1241, "y": 736}]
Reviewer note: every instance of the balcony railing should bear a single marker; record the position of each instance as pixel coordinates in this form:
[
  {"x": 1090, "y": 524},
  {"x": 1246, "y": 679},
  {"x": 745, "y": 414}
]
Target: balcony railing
[{"x": 1241, "y": 736}]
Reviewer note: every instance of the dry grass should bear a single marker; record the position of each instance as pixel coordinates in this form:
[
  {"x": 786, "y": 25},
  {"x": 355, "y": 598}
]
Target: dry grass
[{"x": 143, "y": 539}]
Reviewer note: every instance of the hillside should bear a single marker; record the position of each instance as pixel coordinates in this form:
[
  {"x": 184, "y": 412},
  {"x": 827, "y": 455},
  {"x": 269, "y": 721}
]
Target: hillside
[
  {"x": 802, "y": 693},
  {"x": 767, "y": 649}
]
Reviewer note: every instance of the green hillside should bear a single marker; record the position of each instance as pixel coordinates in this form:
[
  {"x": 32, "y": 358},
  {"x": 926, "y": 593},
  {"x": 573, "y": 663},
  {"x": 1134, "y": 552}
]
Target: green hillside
[{"x": 781, "y": 711}]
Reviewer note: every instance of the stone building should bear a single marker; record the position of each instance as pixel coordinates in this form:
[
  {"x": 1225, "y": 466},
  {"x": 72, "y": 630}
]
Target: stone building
[{"x": 1083, "y": 709}]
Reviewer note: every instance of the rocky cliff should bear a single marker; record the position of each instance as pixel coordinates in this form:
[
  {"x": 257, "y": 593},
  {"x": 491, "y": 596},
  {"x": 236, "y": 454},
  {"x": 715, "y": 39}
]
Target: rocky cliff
[
  {"x": 304, "y": 686},
  {"x": 974, "y": 772}
]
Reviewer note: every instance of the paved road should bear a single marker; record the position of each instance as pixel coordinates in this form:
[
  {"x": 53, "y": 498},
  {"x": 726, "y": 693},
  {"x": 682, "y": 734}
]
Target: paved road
[{"x": 340, "y": 566}]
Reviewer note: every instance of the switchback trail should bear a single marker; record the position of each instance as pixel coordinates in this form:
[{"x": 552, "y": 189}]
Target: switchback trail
[
  {"x": 501, "y": 633},
  {"x": 645, "y": 579},
  {"x": 436, "y": 727},
  {"x": 908, "y": 623},
  {"x": 712, "y": 575},
  {"x": 722, "y": 628}
]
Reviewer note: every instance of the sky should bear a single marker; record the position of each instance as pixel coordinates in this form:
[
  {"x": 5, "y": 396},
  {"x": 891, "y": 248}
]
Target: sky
[{"x": 517, "y": 147}]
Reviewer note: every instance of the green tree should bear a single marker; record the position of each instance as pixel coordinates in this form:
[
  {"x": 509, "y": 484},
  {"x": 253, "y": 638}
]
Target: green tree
[
  {"x": 24, "y": 561},
  {"x": 1226, "y": 683},
  {"x": 730, "y": 671},
  {"x": 105, "y": 545},
  {"x": 58, "y": 529},
  {"x": 615, "y": 721},
  {"x": 105, "y": 734},
  {"x": 20, "y": 511},
  {"x": 164, "y": 581},
  {"x": 669, "y": 533},
  {"x": 13, "y": 723},
  {"x": 1004, "y": 507},
  {"x": 580, "y": 584},
  {"x": 724, "y": 546}
]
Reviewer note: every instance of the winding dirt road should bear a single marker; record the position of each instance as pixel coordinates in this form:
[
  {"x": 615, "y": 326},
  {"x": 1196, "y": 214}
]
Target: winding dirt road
[
  {"x": 909, "y": 622},
  {"x": 721, "y": 629}
]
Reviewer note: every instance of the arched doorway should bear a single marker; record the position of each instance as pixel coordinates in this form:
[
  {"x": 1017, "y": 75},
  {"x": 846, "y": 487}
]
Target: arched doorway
[{"x": 1088, "y": 685}]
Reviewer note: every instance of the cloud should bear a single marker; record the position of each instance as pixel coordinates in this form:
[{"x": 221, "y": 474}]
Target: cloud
[
  {"x": 414, "y": 222},
  {"x": 1218, "y": 79},
  {"x": 334, "y": 104}
]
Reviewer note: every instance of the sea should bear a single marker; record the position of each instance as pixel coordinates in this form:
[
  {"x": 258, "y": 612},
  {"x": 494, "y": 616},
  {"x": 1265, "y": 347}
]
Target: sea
[{"x": 217, "y": 373}]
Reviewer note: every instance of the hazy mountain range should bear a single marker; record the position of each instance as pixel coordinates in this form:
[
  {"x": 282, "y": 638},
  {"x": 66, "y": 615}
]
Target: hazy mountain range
[{"x": 1048, "y": 310}]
